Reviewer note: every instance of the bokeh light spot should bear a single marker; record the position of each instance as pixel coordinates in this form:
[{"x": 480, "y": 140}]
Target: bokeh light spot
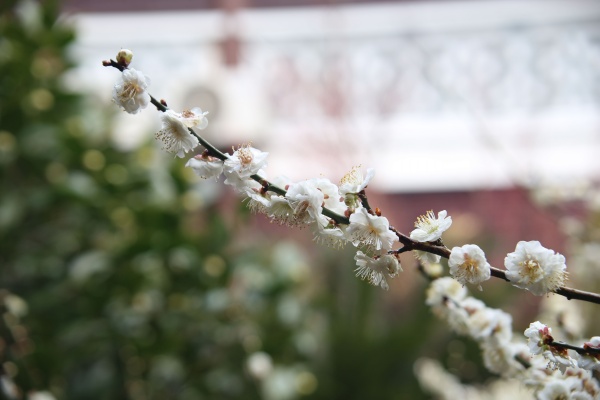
[
  {"x": 306, "y": 383},
  {"x": 116, "y": 174},
  {"x": 214, "y": 265},
  {"x": 94, "y": 160},
  {"x": 41, "y": 99},
  {"x": 56, "y": 172}
]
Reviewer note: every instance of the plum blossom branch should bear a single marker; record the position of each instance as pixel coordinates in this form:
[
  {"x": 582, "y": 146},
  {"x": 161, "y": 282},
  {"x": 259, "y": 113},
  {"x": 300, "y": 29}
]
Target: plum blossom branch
[
  {"x": 539, "y": 363},
  {"x": 362, "y": 195},
  {"x": 580, "y": 350},
  {"x": 357, "y": 223},
  {"x": 541, "y": 341},
  {"x": 410, "y": 245},
  {"x": 214, "y": 152},
  {"x": 342, "y": 214}
]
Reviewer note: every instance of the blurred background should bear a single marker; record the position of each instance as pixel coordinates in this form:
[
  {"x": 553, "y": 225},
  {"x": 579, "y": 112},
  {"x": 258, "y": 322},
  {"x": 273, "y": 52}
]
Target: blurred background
[{"x": 124, "y": 276}]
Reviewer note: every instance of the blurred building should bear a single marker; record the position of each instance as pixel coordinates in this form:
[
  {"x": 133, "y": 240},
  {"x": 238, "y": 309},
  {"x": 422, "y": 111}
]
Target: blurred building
[{"x": 463, "y": 105}]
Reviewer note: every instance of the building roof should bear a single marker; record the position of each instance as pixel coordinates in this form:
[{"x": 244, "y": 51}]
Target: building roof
[
  {"x": 455, "y": 95},
  {"x": 178, "y": 5}
]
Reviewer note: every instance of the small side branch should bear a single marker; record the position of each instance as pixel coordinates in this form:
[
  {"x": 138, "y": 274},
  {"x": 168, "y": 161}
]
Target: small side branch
[
  {"x": 441, "y": 250},
  {"x": 591, "y": 351}
]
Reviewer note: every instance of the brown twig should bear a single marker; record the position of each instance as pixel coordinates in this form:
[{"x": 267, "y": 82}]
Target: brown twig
[{"x": 441, "y": 250}]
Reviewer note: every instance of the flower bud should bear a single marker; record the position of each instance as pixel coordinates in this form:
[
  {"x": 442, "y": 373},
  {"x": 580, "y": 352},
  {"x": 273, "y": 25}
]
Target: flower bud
[{"x": 124, "y": 57}]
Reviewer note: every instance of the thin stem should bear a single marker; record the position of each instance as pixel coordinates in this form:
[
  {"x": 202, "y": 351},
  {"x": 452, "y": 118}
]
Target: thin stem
[
  {"x": 362, "y": 195},
  {"x": 581, "y": 350},
  {"x": 523, "y": 361},
  {"x": 586, "y": 350},
  {"x": 213, "y": 151},
  {"x": 410, "y": 244}
]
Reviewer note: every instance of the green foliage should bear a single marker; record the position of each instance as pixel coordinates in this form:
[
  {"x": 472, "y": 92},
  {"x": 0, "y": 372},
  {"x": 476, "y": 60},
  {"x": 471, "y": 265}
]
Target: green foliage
[{"x": 129, "y": 287}]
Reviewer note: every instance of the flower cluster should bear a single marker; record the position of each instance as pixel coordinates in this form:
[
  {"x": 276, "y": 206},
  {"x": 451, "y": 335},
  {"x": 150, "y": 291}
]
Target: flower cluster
[
  {"x": 374, "y": 270},
  {"x": 319, "y": 204},
  {"x": 175, "y": 134},
  {"x": 336, "y": 213},
  {"x": 540, "y": 340},
  {"x": 542, "y": 364},
  {"x": 468, "y": 265},
  {"x": 130, "y": 92},
  {"x": 535, "y": 268},
  {"x": 491, "y": 328},
  {"x": 429, "y": 228}
]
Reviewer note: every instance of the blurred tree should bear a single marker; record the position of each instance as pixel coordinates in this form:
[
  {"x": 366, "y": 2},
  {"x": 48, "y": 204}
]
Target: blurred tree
[
  {"x": 121, "y": 280},
  {"x": 113, "y": 285}
]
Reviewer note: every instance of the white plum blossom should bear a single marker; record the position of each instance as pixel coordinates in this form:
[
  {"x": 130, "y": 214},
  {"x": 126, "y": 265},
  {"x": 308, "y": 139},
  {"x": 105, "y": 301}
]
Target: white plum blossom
[
  {"x": 331, "y": 197},
  {"x": 443, "y": 385},
  {"x": 535, "y": 268},
  {"x": 205, "y": 166},
  {"x": 492, "y": 328},
  {"x": 583, "y": 384},
  {"x": 432, "y": 269},
  {"x": 443, "y": 288},
  {"x": 555, "y": 389},
  {"x": 572, "y": 383},
  {"x": 487, "y": 321},
  {"x": 243, "y": 163},
  {"x": 499, "y": 353},
  {"x": 258, "y": 198},
  {"x": 306, "y": 200},
  {"x": 281, "y": 211},
  {"x": 194, "y": 118},
  {"x": 130, "y": 93},
  {"x": 174, "y": 135},
  {"x": 569, "y": 313},
  {"x": 429, "y": 228},
  {"x": 426, "y": 257},
  {"x": 538, "y": 336},
  {"x": 370, "y": 230},
  {"x": 278, "y": 208},
  {"x": 375, "y": 269},
  {"x": 354, "y": 181},
  {"x": 459, "y": 314},
  {"x": 559, "y": 359},
  {"x": 330, "y": 233},
  {"x": 281, "y": 181},
  {"x": 590, "y": 362},
  {"x": 468, "y": 265}
]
